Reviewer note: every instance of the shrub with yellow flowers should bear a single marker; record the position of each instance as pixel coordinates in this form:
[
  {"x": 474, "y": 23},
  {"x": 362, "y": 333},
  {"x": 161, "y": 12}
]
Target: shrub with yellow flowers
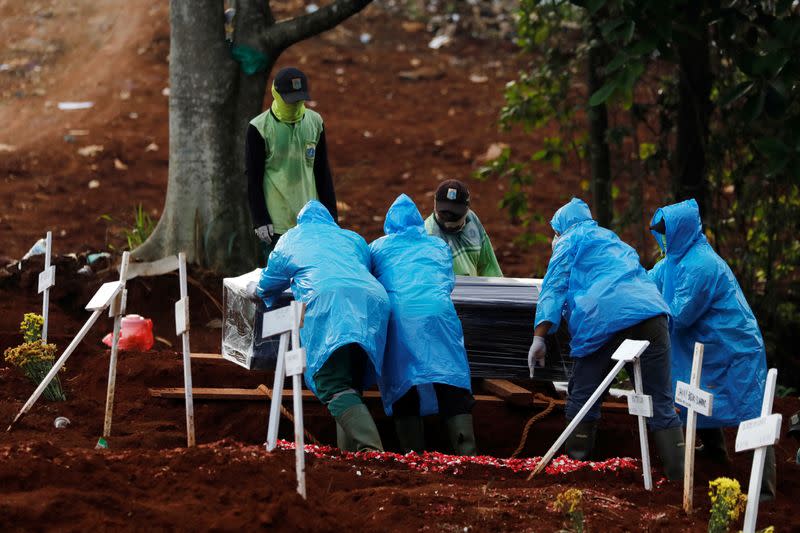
[
  {"x": 35, "y": 357},
  {"x": 569, "y": 504},
  {"x": 727, "y": 503}
]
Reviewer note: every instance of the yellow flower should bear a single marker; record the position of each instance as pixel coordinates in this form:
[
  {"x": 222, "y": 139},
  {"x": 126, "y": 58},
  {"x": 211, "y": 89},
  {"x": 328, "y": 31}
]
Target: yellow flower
[
  {"x": 31, "y": 327},
  {"x": 30, "y": 353}
]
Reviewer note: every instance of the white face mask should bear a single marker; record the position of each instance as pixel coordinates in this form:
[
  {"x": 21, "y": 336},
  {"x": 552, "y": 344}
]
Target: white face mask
[{"x": 556, "y": 238}]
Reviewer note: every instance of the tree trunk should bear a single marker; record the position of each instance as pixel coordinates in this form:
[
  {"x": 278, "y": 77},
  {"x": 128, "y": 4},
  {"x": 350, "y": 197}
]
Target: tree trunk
[
  {"x": 694, "y": 110},
  {"x": 599, "y": 157},
  {"x": 211, "y": 102}
]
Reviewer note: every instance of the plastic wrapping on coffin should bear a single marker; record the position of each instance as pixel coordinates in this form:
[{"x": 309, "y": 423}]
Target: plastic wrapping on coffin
[{"x": 496, "y": 314}]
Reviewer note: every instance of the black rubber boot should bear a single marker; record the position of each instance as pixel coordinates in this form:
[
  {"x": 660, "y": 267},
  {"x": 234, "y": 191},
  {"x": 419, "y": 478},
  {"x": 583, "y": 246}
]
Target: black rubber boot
[
  {"x": 462, "y": 434},
  {"x": 360, "y": 429},
  {"x": 410, "y": 432},
  {"x": 769, "y": 484},
  {"x": 671, "y": 449},
  {"x": 580, "y": 444},
  {"x": 713, "y": 445}
]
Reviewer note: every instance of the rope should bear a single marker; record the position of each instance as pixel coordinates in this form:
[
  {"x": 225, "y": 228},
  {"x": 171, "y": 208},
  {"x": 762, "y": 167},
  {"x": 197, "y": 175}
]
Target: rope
[
  {"x": 285, "y": 412},
  {"x": 538, "y": 416}
]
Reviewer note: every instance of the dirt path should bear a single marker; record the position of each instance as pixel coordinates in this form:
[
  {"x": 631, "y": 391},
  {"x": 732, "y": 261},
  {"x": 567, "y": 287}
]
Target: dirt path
[{"x": 388, "y": 134}]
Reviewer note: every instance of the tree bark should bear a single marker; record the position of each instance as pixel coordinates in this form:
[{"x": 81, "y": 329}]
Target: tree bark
[
  {"x": 599, "y": 156},
  {"x": 211, "y": 102},
  {"x": 694, "y": 110}
]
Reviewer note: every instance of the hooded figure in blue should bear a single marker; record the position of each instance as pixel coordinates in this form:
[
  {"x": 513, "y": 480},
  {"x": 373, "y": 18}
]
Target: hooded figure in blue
[
  {"x": 708, "y": 306},
  {"x": 595, "y": 281},
  {"x": 344, "y": 333},
  {"x": 425, "y": 358}
]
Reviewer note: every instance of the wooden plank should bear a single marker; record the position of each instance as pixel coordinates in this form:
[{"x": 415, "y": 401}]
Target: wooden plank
[
  {"x": 508, "y": 391},
  {"x": 155, "y": 268},
  {"x": 260, "y": 393},
  {"x": 208, "y": 356}
]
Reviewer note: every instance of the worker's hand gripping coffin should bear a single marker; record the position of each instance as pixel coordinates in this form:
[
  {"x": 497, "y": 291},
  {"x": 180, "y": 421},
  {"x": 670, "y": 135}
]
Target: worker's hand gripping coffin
[{"x": 243, "y": 322}]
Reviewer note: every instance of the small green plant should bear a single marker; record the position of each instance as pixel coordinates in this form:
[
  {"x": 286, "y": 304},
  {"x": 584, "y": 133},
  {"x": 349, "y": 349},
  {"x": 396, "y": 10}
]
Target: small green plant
[
  {"x": 34, "y": 357},
  {"x": 727, "y": 502},
  {"x": 143, "y": 226},
  {"x": 568, "y": 503}
]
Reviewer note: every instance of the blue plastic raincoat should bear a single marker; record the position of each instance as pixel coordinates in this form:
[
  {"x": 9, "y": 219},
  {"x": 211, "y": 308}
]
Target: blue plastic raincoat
[
  {"x": 328, "y": 269},
  {"x": 595, "y": 280},
  {"x": 708, "y": 306},
  {"x": 425, "y": 342}
]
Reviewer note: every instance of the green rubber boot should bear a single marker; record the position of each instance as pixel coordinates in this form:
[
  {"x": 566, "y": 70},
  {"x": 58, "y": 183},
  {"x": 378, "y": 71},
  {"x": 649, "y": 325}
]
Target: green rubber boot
[
  {"x": 410, "y": 432},
  {"x": 342, "y": 441},
  {"x": 580, "y": 444},
  {"x": 359, "y": 429},
  {"x": 769, "y": 481},
  {"x": 461, "y": 434},
  {"x": 671, "y": 449}
]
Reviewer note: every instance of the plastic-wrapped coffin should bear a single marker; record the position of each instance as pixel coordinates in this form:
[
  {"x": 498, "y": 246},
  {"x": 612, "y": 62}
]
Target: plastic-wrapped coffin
[{"x": 496, "y": 315}]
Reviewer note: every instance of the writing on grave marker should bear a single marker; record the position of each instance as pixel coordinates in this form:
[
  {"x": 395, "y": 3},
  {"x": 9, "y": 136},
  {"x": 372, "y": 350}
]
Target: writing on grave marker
[
  {"x": 640, "y": 405},
  {"x": 295, "y": 361},
  {"x": 758, "y": 432},
  {"x": 694, "y": 398},
  {"x": 47, "y": 278}
]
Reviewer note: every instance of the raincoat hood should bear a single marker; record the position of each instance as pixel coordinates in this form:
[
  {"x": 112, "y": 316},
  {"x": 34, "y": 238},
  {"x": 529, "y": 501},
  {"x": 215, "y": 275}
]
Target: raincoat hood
[
  {"x": 424, "y": 340},
  {"x": 570, "y": 214},
  {"x": 683, "y": 225},
  {"x": 315, "y": 212},
  {"x": 403, "y": 215}
]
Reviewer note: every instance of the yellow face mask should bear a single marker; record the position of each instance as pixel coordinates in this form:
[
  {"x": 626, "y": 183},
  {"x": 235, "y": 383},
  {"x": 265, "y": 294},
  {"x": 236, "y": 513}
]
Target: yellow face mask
[{"x": 289, "y": 113}]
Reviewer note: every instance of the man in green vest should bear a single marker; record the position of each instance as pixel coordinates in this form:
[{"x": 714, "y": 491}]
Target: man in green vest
[
  {"x": 287, "y": 160},
  {"x": 454, "y": 221}
]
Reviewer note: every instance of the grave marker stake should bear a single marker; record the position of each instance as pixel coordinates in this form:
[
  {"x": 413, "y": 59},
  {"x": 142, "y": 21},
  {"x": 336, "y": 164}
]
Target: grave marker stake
[
  {"x": 628, "y": 351},
  {"x": 757, "y": 470},
  {"x": 691, "y": 432},
  {"x": 182, "y": 326},
  {"x": 101, "y": 299},
  {"x": 116, "y": 310},
  {"x": 46, "y": 280}
]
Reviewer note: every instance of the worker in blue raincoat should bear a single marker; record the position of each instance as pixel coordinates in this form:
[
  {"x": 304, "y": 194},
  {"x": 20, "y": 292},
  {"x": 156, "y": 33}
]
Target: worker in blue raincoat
[
  {"x": 425, "y": 368},
  {"x": 344, "y": 332},
  {"x": 595, "y": 281},
  {"x": 708, "y": 306}
]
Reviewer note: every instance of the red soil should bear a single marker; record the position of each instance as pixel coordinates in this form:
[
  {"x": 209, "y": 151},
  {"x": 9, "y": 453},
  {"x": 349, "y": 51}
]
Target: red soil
[{"x": 419, "y": 132}]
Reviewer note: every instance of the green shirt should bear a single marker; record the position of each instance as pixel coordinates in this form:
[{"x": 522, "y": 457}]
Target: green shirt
[
  {"x": 472, "y": 250},
  {"x": 289, "y": 166}
]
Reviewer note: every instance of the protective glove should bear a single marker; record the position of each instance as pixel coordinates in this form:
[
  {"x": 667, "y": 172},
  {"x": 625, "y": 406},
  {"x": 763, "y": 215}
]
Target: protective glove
[
  {"x": 536, "y": 354},
  {"x": 251, "y": 291},
  {"x": 265, "y": 233}
]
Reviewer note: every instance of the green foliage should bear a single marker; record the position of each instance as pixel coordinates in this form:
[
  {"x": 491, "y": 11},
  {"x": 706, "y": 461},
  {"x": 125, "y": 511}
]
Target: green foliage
[
  {"x": 143, "y": 226},
  {"x": 752, "y": 153}
]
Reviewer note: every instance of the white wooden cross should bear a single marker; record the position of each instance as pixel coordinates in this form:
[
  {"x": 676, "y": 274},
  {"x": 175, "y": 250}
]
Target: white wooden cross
[
  {"x": 695, "y": 400},
  {"x": 639, "y": 404},
  {"x": 101, "y": 299},
  {"x": 287, "y": 322},
  {"x": 47, "y": 278},
  {"x": 128, "y": 272},
  {"x": 757, "y": 434}
]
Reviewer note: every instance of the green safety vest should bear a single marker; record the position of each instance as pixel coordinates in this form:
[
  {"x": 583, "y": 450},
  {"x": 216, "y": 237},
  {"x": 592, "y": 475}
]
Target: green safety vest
[
  {"x": 472, "y": 250},
  {"x": 289, "y": 166}
]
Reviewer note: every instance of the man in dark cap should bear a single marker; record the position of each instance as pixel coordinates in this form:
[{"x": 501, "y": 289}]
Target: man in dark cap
[
  {"x": 459, "y": 226},
  {"x": 287, "y": 160}
]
